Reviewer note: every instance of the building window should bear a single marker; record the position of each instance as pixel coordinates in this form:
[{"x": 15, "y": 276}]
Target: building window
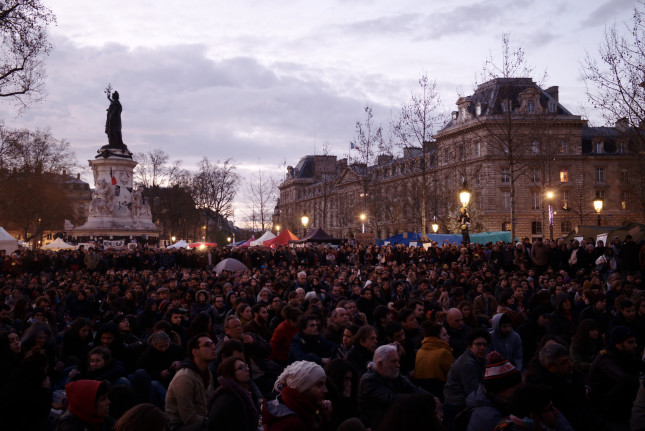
[
  {"x": 564, "y": 147},
  {"x": 535, "y": 175},
  {"x": 531, "y": 107},
  {"x": 506, "y": 105},
  {"x": 624, "y": 176},
  {"x": 565, "y": 200},
  {"x": 506, "y": 226},
  {"x": 564, "y": 175},
  {"x": 506, "y": 200},
  {"x": 552, "y": 107},
  {"x": 623, "y": 200},
  {"x": 599, "y": 147},
  {"x": 535, "y": 200},
  {"x": 506, "y": 176},
  {"x": 478, "y": 109},
  {"x": 566, "y": 226},
  {"x": 478, "y": 149},
  {"x": 621, "y": 148},
  {"x": 536, "y": 228},
  {"x": 535, "y": 147},
  {"x": 600, "y": 175}
]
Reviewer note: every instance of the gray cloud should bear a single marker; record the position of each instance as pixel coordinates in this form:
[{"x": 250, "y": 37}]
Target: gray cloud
[{"x": 603, "y": 14}]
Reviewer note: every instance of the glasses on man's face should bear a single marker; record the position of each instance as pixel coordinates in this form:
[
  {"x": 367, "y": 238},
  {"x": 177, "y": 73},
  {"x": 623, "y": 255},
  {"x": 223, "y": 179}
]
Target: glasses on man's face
[{"x": 208, "y": 344}]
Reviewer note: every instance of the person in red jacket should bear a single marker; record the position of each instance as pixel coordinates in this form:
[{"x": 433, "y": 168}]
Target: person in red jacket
[
  {"x": 281, "y": 339},
  {"x": 88, "y": 407}
]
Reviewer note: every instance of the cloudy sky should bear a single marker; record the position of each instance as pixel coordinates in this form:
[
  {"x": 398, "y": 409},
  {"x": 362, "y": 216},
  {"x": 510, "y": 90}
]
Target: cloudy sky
[{"x": 266, "y": 82}]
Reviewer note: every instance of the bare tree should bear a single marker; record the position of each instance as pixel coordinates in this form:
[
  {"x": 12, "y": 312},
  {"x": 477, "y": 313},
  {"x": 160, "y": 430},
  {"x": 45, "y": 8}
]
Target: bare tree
[
  {"x": 34, "y": 198},
  {"x": 214, "y": 187},
  {"x": 368, "y": 140},
  {"x": 263, "y": 194},
  {"x": 615, "y": 84},
  {"x": 505, "y": 121},
  {"x": 151, "y": 170},
  {"x": 419, "y": 119},
  {"x": 23, "y": 32}
]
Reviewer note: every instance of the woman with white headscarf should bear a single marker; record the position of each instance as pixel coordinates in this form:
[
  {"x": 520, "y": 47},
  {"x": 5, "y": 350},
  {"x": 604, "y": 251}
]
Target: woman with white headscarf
[{"x": 302, "y": 396}]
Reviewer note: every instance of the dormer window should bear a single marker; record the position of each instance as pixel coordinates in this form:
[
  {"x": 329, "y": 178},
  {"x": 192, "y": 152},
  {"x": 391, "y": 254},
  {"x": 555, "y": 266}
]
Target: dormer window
[
  {"x": 599, "y": 147},
  {"x": 478, "y": 109},
  {"x": 463, "y": 113},
  {"x": 531, "y": 107},
  {"x": 553, "y": 107}
]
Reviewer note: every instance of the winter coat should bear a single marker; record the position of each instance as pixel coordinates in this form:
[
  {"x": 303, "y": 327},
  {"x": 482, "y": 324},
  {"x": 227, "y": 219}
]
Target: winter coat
[
  {"x": 376, "y": 394},
  {"x": 281, "y": 341},
  {"x": 310, "y": 348},
  {"x": 487, "y": 413},
  {"x": 232, "y": 409},
  {"x": 464, "y": 376},
  {"x": 187, "y": 396},
  {"x": 359, "y": 357},
  {"x": 509, "y": 347},
  {"x": 433, "y": 360}
]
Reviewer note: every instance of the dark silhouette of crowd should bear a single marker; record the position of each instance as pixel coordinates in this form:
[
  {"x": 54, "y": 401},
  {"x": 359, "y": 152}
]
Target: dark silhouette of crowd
[{"x": 543, "y": 335}]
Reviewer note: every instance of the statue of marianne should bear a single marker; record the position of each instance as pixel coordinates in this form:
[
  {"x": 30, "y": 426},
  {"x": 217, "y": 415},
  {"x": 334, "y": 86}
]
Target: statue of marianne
[{"x": 113, "y": 122}]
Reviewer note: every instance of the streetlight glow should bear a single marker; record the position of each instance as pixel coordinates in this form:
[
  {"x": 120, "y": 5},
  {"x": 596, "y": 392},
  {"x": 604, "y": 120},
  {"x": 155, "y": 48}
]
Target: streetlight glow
[
  {"x": 435, "y": 227},
  {"x": 464, "y": 195}
]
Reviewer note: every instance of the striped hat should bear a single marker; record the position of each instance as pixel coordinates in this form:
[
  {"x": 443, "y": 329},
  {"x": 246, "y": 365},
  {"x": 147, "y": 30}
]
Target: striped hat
[{"x": 500, "y": 374}]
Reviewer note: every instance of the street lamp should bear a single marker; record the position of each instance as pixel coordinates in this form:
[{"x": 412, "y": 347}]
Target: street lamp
[
  {"x": 363, "y": 217},
  {"x": 173, "y": 239},
  {"x": 277, "y": 228},
  {"x": 464, "y": 195},
  {"x": 435, "y": 226},
  {"x": 549, "y": 196},
  {"x": 305, "y": 221},
  {"x": 597, "y": 205}
]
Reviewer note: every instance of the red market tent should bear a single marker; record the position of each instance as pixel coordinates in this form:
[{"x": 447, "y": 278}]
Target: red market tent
[
  {"x": 248, "y": 242},
  {"x": 282, "y": 239}
]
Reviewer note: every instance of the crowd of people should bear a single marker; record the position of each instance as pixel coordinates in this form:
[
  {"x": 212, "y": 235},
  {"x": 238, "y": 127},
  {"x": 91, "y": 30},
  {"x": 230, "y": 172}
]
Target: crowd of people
[{"x": 546, "y": 335}]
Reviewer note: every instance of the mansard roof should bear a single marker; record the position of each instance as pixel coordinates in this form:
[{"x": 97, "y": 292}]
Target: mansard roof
[{"x": 491, "y": 98}]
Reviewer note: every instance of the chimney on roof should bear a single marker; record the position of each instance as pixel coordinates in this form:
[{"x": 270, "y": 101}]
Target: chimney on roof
[
  {"x": 553, "y": 92},
  {"x": 78, "y": 176},
  {"x": 64, "y": 173},
  {"x": 622, "y": 124}
]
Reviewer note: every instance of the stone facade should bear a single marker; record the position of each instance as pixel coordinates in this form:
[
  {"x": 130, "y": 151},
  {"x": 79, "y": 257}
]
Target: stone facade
[{"x": 509, "y": 140}]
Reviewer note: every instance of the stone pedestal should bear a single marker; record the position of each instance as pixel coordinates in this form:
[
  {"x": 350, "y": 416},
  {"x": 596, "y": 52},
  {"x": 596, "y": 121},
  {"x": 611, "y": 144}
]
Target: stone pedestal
[{"x": 117, "y": 209}]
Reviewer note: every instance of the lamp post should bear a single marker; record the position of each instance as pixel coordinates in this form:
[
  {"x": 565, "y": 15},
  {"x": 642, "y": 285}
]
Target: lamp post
[
  {"x": 363, "y": 217},
  {"x": 435, "y": 225},
  {"x": 277, "y": 228},
  {"x": 305, "y": 221},
  {"x": 464, "y": 218},
  {"x": 549, "y": 196},
  {"x": 173, "y": 238},
  {"x": 597, "y": 205}
]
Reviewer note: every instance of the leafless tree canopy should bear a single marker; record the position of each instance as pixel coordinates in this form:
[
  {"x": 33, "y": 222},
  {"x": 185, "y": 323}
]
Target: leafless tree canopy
[
  {"x": 615, "y": 82},
  {"x": 214, "y": 187},
  {"x": 23, "y": 30},
  {"x": 33, "y": 198},
  {"x": 263, "y": 194}
]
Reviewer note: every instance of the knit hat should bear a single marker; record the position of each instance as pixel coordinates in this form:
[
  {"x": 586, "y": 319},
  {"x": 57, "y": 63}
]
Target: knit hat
[
  {"x": 500, "y": 374},
  {"x": 620, "y": 334},
  {"x": 163, "y": 306},
  {"x": 300, "y": 375}
]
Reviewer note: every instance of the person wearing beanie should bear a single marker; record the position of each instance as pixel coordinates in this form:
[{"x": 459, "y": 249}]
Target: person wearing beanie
[
  {"x": 301, "y": 404},
  {"x": 614, "y": 376},
  {"x": 505, "y": 340},
  {"x": 490, "y": 400},
  {"x": 88, "y": 407}
]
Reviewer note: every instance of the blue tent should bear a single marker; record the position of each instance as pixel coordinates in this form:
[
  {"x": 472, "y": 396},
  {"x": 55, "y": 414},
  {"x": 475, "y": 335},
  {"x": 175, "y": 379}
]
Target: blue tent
[{"x": 476, "y": 238}]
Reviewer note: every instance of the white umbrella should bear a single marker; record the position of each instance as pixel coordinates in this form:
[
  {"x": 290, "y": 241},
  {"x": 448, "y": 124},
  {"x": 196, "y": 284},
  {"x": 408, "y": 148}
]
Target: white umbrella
[{"x": 230, "y": 264}]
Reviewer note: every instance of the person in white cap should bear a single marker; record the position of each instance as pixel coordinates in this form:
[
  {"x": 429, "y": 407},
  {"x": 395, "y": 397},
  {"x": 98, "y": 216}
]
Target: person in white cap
[{"x": 301, "y": 404}]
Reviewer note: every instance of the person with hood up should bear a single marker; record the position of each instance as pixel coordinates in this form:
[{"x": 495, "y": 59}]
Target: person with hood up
[
  {"x": 505, "y": 340},
  {"x": 88, "y": 407},
  {"x": 490, "y": 399},
  {"x": 564, "y": 320},
  {"x": 302, "y": 388}
]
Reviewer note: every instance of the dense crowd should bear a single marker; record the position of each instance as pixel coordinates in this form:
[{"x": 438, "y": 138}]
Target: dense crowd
[{"x": 527, "y": 336}]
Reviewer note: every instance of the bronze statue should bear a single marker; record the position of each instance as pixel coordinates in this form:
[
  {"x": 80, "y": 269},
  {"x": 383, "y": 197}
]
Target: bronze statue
[{"x": 113, "y": 122}]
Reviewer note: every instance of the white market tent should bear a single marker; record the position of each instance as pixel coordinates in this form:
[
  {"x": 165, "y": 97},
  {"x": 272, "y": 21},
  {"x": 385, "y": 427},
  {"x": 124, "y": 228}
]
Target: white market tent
[
  {"x": 7, "y": 242},
  {"x": 58, "y": 244},
  {"x": 179, "y": 244},
  {"x": 267, "y": 236}
]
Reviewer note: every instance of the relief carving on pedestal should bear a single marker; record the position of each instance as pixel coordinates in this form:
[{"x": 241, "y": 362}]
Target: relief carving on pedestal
[{"x": 102, "y": 199}]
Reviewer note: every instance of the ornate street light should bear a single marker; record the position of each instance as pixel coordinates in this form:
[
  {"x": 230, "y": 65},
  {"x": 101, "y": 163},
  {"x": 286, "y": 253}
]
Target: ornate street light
[
  {"x": 435, "y": 227},
  {"x": 597, "y": 205},
  {"x": 305, "y": 221},
  {"x": 363, "y": 217},
  {"x": 464, "y": 195},
  {"x": 173, "y": 238}
]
